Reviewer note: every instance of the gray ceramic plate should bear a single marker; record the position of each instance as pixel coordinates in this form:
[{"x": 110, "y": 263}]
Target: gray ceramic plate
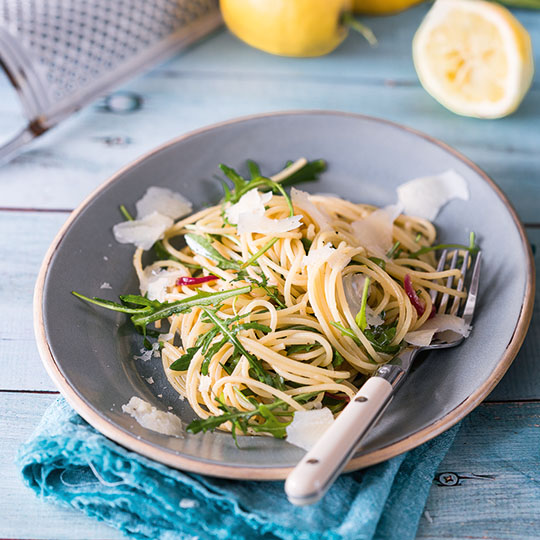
[{"x": 89, "y": 352}]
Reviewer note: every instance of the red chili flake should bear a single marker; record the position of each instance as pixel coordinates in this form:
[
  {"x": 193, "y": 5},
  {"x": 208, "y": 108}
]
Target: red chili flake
[
  {"x": 337, "y": 397},
  {"x": 185, "y": 280},
  {"x": 413, "y": 297}
]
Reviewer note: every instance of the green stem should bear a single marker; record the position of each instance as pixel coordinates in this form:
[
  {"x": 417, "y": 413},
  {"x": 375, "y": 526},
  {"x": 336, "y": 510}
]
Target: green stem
[
  {"x": 253, "y": 362},
  {"x": 261, "y": 251},
  {"x": 198, "y": 300},
  {"x": 352, "y": 22},
  {"x": 126, "y": 213}
]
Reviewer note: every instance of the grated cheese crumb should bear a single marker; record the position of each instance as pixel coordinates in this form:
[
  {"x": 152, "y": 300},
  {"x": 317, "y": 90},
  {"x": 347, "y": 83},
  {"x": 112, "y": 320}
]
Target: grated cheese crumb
[
  {"x": 205, "y": 383},
  {"x": 105, "y": 285},
  {"x": 151, "y": 418}
]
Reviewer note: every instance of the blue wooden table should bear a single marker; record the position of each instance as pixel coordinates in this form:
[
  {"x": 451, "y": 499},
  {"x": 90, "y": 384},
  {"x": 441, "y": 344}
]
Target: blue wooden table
[{"x": 489, "y": 484}]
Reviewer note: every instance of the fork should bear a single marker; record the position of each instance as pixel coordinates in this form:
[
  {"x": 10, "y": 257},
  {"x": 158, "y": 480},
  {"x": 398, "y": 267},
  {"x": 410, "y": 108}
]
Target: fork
[{"x": 318, "y": 469}]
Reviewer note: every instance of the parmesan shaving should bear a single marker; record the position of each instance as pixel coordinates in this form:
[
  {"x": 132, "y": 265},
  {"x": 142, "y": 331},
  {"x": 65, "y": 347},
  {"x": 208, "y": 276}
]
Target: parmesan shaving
[
  {"x": 303, "y": 201},
  {"x": 151, "y": 418},
  {"x": 250, "y": 223},
  {"x": 439, "y": 323},
  {"x": 353, "y": 286},
  {"x": 165, "y": 201},
  {"x": 374, "y": 232},
  {"x": 145, "y": 232},
  {"x": 308, "y": 427},
  {"x": 251, "y": 203},
  {"x": 318, "y": 256},
  {"x": 156, "y": 286},
  {"x": 424, "y": 197}
]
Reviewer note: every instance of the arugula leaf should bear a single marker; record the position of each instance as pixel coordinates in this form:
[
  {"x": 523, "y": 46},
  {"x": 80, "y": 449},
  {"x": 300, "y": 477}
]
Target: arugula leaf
[
  {"x": 378, "y": 262},
  {"x": 360, "y": 318},
  {"x": 270, "y": 290},
  {"x": 337, "y": 359},
  {"x": 254, "y": 169},
  {"x": 152, "y": 310},
  {"x": 306, "y": 243},
  {"x": 346, "y": 332},
  {"x": 472, "y": 247},
  {"x": 202, "y": 298},
  {"x": 241, "y": 419},
  {"x": 182, "y": 364},
  {"x": 124, "y": 211},
  {"x": 309, "y": 172},
  {"x": 261, "y": 252},
  {"x": 394, "y": 251},
  {"x": 381, "y": 338},
  {"x": 301, "y": 348},
  {"x": 261, "y": 374},
  {"x": 108, "y": 304},
  {"x": 202, "y": 246}
]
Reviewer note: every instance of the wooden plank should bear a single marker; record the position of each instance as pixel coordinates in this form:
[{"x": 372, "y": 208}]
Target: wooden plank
[
  {"x": 61, "y": 169},
  {"x": 498, "y": 440},
  {"x": 196, "y": 89},
  {"x": 20, "y": 415},
  {"x": 22, "y": 246},
  {"x": 522, "y": 380},
  {"x": 353, "y": 60},
  {"x": 23, "y": 243}
]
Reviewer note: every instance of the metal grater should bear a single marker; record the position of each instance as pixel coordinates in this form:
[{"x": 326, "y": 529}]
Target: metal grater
[{"x": 62, "y": 54}]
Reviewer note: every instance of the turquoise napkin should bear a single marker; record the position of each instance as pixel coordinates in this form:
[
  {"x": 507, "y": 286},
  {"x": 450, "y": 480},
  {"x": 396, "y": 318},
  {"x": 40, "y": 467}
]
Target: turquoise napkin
[{"x": 67, "y": 462}]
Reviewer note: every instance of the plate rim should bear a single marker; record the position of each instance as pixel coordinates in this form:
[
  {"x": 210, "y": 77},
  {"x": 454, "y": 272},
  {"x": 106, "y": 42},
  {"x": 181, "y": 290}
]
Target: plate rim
[{"x": 239, "y": 472}]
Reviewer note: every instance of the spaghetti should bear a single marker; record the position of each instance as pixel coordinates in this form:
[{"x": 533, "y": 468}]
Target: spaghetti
[{"x": 283, "y": 303}]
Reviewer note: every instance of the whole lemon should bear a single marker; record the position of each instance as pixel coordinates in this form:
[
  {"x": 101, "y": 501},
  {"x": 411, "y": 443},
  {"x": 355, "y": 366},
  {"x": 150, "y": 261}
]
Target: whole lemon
[
  {"x": 288, "y": 27},
  {"x": 382, "y": 7}
]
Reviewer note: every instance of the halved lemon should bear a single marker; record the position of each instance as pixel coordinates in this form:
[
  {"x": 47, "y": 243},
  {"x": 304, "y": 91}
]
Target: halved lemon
[{"x": 474, "y": 57}]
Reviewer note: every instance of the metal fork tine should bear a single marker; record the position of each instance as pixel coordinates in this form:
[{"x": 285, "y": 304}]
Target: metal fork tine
[
  {"x": 440, "y": 266},
  {"x": 449, "y": 281},
  {"x": 473, "y": 290},
  {"x": 461, "y": 283}
]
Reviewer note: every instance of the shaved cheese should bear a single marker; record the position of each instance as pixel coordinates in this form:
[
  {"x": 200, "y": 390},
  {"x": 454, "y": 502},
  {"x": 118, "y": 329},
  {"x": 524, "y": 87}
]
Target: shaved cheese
[
  {"x": 145, "y": 232},
  {"x": 165, "y": 201},
  {"x": 251, "y": 203},
  {"x": 156, "y": 285},
  {"x": 151, "y": 418},
  {"x": 318, "y": 256},
  {"x": 308, "y": 427},
  {"x": 248, "y": 215},
  {"x": 436, "y": 325},
  {"x": 374, "y": 232},
  {"x": 249, "y": 223},
  {"x": 353, "y": 286},
  {"x": 320, "y": 217},
  {"x": 424, "y": 197},
  {"x": 204, "y": 383}
]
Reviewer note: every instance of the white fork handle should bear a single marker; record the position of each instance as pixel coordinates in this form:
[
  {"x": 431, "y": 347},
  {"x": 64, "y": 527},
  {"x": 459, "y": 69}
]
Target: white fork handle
[{"x": 318, "y": 469}]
